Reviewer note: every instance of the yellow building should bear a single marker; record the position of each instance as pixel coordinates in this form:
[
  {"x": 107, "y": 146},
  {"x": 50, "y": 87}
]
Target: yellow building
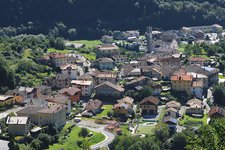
[
  {"x": 182, "y": 83},
  {"x": 6, "y": 100}
]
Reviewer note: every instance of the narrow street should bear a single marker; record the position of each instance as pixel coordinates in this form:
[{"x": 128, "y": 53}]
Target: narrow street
[{"x": 5, "y": 113}]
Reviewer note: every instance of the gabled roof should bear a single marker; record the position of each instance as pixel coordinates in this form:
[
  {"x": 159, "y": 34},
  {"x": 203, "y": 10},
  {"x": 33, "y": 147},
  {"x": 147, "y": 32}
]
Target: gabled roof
[
  {"x": 170, "y": 119},
  {"x": 92, "y": 105},
  {"x": 195, "y": 103},
  {"x": 151, "y": 99},
  {"x": 171, "y": 109},
  {"x": 127, "y": 99},
  {"x": 29, "y": 110},
  {"x": 100, "y": 60},
  {"x": 107, "y": 83},
  {"x": 217, "y": 110},
  {"x": 173, "y": 104},
  {"x": 60, "y": 99},
  {"x": 5, "y": 97},
  {"x": 71, "y": 90}
]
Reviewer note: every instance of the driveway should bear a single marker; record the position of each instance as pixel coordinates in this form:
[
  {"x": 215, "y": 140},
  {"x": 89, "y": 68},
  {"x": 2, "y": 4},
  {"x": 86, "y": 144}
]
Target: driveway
[
  {"x": 109, "y": 136},
  {"x": 5, "y": 113}
]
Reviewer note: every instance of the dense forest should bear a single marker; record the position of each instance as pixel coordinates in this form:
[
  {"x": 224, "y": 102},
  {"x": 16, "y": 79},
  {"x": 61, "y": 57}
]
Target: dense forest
[{"x": 97, "y": 16}]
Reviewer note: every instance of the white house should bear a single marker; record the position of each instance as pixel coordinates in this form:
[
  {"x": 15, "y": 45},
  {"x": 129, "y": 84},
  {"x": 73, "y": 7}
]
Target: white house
[{"x": 72, "y": 70}]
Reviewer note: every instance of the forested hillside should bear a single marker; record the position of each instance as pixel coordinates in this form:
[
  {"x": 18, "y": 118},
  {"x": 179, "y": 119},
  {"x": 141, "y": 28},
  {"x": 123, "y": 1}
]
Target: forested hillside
[{"x": 86, "y": 15}]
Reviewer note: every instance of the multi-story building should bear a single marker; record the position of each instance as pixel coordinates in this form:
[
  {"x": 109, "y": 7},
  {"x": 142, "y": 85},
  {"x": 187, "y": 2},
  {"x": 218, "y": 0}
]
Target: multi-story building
[
  {"x": 85, "y": 86},
  {"x": 106, "y": 76},
  {"x": 103, "y": 63},
  {"x": 52, "y": 115},
  {"x": 107, "y": 50},
  {"x": 60, "y": 81},
  {"x": 109, "y": 89},
  {"x": 72, "y": 70},
  {"x": 72, "y": 93},
  {"x": 58, "y": 59},
  {"x": 182, "y": 82}
]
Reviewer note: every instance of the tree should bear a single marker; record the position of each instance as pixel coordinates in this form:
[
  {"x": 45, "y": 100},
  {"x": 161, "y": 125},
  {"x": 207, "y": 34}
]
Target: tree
[
  {"x": 59, "y": 44},
  {"x": 36, "y": 144},
  {"x": 85, "y": 145},
  {"x": 145, "y": 92},
  {"x": 178, "y": 141},
  {"x": 45, "y": 139},
  {"x": 219, "y": 94},
  {"x": 162, "y": 132},
  {"x": 72, "y": 34},
  {"x": 83, "y": 132}
]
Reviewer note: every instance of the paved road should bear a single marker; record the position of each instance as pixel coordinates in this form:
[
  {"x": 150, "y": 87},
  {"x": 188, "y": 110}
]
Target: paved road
[
  {"x": 109, "y": 136},
  {"x": 4, "y": 145},
  {"x": 5, "y": 113}
]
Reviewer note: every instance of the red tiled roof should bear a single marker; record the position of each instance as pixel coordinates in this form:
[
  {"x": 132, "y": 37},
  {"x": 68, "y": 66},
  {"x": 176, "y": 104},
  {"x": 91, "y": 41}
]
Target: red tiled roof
[{"x": 181, "y": 77}]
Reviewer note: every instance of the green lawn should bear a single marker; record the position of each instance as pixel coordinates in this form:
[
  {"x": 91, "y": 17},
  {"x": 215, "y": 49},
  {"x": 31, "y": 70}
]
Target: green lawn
[
  {"x": 221, "y": 77},
  {"x": 106, "y": 109},
  {"x": 147, "y": 130},
  {"x": 50, "y": 50},
  {"x": 90, "y": 56},
  {"x": 69, "y": 141},
  {"x": 187, "y": 120},
  {"x": 89, "y": 43}
]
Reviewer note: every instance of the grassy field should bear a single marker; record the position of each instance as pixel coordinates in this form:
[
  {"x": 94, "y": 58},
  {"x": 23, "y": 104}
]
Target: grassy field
[
  {"x": 69, "y": 142},
  {"x": 147, "y": 130},
  {"x": 50, "y": 50},
  {"x": 90, "y": 56},
  {"x": 221, "y": 77},
  {"x": 107, "y": 108},
  {"x": 89, "y": 43},
  {"x": 190, "y": 120}
]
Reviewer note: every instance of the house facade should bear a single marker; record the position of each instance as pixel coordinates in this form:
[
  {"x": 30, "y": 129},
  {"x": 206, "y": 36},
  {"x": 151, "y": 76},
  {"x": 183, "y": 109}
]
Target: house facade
[
  {"x": 55, "y": 115},
  {"x": 17, "y": 125},
  {"x": 182, "y": 82},
  {"x": 194, "y": 106},
  {"x": 109, "y": 89},
  {"x": 72, "y": 93},
  {"x": 85, "y": 86},
  {"x": 107, "y": 50},
  {"x": 103, "y": 63},
  {"x": 124, "y": 107},
  {"x": 149, "y": 105}
]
